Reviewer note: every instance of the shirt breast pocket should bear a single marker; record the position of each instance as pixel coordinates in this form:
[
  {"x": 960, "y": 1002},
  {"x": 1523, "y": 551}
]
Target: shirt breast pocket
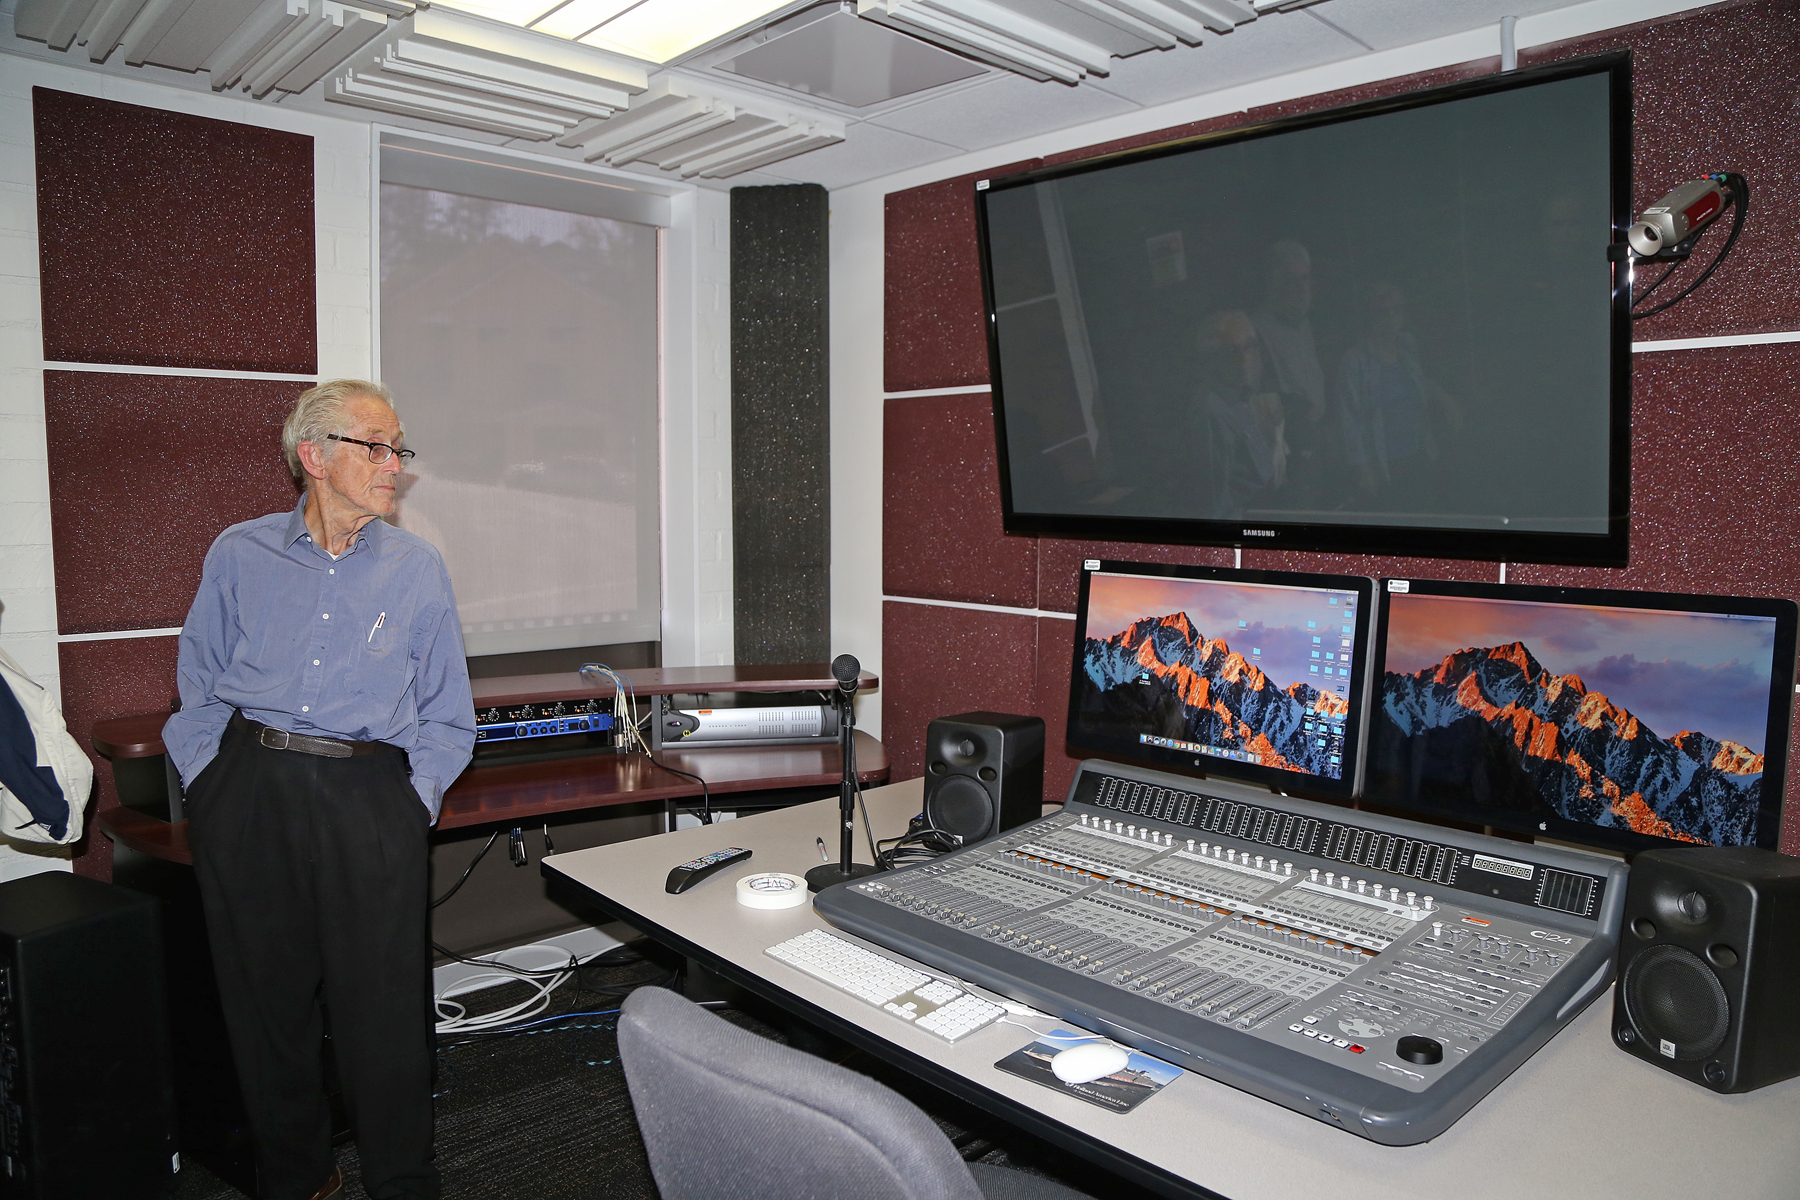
[{"x": 381, "y": 662}]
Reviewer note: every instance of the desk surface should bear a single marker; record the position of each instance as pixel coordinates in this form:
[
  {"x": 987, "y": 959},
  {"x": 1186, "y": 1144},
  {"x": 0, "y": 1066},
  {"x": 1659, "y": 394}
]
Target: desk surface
[{"x": 1579, "y": 1119}]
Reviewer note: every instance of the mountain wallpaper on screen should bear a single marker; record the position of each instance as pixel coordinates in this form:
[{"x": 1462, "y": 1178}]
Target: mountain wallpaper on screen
[
  {"x": 1161, "y": 676},
  {"x": 1493, "y": 726}
]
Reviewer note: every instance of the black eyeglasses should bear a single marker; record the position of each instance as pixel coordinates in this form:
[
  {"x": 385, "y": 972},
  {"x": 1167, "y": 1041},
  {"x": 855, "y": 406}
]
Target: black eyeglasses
[{"x": 379, "y": 452}]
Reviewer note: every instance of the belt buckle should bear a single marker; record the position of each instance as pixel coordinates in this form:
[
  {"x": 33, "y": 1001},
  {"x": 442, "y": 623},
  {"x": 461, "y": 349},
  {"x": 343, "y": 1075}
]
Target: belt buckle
[{"x": 264, "y": 738}]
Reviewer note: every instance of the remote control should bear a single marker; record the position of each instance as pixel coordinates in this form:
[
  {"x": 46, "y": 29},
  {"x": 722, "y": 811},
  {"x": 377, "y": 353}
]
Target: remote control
[{"x": 689, "y": 873}]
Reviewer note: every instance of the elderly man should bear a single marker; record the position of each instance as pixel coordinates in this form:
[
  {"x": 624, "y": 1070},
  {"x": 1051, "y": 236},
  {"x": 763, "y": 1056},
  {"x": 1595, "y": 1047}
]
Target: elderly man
[{"x": 325, "y": 708}]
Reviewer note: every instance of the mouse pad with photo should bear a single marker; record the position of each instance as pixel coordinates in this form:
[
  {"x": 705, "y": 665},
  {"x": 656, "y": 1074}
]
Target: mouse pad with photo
[{"x": 1139, "y": 1079}]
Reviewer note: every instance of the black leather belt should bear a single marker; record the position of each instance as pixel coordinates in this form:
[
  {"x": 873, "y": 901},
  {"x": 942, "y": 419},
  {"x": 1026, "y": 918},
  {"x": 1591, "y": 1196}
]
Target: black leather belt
[{"x": 281, "y": 739}]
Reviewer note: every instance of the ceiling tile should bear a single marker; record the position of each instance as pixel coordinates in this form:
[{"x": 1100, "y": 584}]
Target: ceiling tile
[
  {"x": 1002, "y": 109},
  {"x": 854, "y": 62},
  {"x": 1272, "y": 45},
  {"x": 1383, "y": 24},
  {"x": 866, "y": 152}
]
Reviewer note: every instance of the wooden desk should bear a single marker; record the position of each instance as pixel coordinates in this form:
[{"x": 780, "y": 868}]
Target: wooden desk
[
  {"x": 492, "y": 793},
  {"x": 1580, "y": 1118}
]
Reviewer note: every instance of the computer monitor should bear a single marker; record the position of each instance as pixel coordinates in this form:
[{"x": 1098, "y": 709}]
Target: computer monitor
[
  {"x": 1622, "y": 720},
  {"x": 1258, "y": 676}
]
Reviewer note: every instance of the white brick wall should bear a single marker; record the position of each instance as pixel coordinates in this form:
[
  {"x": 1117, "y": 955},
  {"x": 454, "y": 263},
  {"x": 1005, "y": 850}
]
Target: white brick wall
[
  {"x": 27, "y": 586},
  {"x": 697, "y": 629},
  {"x": 713, "y": 635}
]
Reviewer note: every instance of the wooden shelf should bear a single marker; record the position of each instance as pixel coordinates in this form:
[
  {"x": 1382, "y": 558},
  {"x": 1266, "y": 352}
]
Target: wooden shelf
[
  {"x": 527, "y": 792},
  {"x": 530, "y": 791}
]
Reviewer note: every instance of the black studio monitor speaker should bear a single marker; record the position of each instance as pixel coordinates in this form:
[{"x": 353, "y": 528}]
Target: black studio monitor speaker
[
  {"x": 984, "y": 773},
  {"x": 87, "y": 1103},
  {"x": 1709, "y": 961}
]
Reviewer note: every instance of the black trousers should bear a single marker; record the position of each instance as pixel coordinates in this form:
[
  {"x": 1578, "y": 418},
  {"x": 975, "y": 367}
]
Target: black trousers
[{"x": 312, "y": 872}]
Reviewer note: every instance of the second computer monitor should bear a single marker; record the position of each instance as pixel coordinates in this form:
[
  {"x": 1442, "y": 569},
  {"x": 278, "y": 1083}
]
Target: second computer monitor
[
  {"x": 1616, "y": 719},
  {"x": 1250, "y": 675}
]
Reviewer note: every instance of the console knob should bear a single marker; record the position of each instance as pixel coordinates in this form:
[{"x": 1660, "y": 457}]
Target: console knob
[
  {"x": 1437, "y": 929},
  {"x": 1330, "y": 878},
  {"x": 1315, "y": 874},
  {"x": 1430, "y": 904},
  {"x": 1084, "y": 818},
  {"x": 1287, "y": 868},
  {"x": 1394, "y": 894},
  {"x": 1130, "y": 829},
  {"x": 1423, "y": 1051},
  {"x": 1362, "y": 887},
  {"x": 1190, "y": 845},
  {"x": 1412, "y": 899},
  {"x": 1259, "y": 862}
]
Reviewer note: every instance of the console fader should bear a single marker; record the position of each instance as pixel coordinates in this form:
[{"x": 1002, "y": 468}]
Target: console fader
[{"x": 1377, "y": 974}]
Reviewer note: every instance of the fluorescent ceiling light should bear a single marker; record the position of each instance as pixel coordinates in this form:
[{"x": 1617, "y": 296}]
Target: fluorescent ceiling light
[
  {"x": 657, "y": 30},
  {"x": 578, "y": 16},
  {"x": 660, "y": 30},
  {"x": 511, "y": 12}
]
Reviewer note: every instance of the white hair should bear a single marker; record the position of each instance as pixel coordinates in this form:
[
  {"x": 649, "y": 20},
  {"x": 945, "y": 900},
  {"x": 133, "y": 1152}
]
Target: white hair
[{"x": 322, "y": 411}]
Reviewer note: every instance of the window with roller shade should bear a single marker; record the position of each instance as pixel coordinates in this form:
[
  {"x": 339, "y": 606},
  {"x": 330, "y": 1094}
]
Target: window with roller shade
[{"x": 520, "y": 336}]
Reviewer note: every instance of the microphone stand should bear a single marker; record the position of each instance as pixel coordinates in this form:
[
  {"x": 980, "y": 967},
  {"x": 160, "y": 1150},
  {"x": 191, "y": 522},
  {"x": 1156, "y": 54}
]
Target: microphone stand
[{"x": 844, "y": 870}]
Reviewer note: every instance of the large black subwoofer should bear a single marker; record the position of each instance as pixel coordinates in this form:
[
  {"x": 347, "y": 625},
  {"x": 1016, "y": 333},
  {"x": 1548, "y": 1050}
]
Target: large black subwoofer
[
  {"x": 984, "y": 773},
  {"x": 87, "y": 1098},
  {"x": 1709, "y": 957}
]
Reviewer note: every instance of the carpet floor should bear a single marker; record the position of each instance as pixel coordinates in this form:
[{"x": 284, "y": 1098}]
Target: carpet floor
[{"x": 544, "y": 1114}]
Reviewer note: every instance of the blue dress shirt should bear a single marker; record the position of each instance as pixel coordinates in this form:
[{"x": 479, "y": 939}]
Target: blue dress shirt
[{"x": 366, "y": 646}]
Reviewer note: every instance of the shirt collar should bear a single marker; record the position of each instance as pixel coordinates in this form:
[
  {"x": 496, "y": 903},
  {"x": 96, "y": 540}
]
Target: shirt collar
[{"x": 296, "y": 530}]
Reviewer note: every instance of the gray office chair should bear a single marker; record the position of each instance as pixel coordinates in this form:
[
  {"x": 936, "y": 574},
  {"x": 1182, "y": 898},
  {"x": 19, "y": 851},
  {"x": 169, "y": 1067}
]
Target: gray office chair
[{"x": 727, "y": 1113}]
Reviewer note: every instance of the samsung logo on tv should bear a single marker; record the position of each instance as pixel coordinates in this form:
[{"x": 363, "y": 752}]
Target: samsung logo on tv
[{"x": 1259, "y": 533}]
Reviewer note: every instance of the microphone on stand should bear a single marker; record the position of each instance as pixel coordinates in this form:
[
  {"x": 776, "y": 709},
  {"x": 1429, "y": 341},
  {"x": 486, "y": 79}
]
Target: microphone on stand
[{"x": 846, "y": 670}]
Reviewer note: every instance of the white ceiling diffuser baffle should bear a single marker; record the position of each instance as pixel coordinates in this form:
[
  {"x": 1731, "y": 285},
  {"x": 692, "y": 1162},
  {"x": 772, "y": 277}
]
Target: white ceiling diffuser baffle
[
  {"x": 481, "y": 75},
  {"x": 263, "y": 44},
  {"x": 1065, "y": 40}
]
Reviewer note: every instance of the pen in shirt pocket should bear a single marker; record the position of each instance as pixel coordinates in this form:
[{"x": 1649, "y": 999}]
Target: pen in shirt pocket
[{"x": 379, "y": 622}]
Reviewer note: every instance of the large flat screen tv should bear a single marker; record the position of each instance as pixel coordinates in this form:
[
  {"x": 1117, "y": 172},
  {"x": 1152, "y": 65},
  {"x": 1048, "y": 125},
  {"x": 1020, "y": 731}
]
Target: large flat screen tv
[
  {"x": 1625, "y": 720},
  {"x": 1391, "y": 327}
]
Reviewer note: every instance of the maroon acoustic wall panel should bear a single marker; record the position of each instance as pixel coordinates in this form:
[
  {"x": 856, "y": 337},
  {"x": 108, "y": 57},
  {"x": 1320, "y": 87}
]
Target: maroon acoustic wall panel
[
  {"x": 1050, "y": 700},
  {"x": 940, "y": 523},
  {"x": 954, "y": 660},
  {"x": 1714, "y": 91},
  {"x": 1060, "y": 559},
  {"x": 932, "y": 326},
  {"x": 1372, "y": 565},
  {"x": 145, "y": 471},
  {"x": 101, "y": 680},
  {"x": 173, "y": 240}
]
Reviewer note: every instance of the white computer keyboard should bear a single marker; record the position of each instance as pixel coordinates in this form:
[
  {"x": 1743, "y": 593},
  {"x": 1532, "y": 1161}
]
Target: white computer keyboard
[{"x": 911, "y": 995}]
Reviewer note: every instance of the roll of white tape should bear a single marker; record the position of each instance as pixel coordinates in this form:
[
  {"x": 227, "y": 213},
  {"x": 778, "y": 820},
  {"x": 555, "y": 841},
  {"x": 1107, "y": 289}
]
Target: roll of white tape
[{"x": 771, "y": 889}]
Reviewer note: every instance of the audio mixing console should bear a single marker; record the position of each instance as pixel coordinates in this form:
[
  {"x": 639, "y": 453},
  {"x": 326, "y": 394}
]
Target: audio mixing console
[{"x": 1374, "y": 973}]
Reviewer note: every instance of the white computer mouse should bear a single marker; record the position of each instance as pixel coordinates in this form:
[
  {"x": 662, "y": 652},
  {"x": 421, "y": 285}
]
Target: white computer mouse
[{"x": 1089, "y": 1061}]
